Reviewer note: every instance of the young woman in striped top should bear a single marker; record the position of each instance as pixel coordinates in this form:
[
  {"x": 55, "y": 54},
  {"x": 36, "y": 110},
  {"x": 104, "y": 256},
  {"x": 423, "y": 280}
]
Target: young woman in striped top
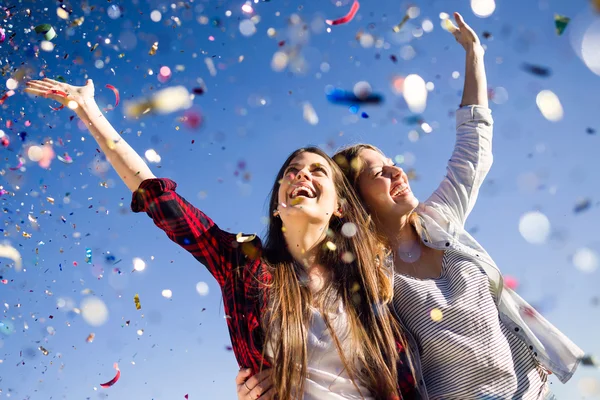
[{"x": 471, "y": 338}]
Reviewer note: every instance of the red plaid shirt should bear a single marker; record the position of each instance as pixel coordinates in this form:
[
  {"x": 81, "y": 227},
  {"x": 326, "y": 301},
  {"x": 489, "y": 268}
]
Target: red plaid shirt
[{"x": 234, "y": 261}]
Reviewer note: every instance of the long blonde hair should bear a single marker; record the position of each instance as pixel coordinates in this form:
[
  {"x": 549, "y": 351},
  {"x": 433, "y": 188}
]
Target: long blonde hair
[{"x": 358, "y": 279}]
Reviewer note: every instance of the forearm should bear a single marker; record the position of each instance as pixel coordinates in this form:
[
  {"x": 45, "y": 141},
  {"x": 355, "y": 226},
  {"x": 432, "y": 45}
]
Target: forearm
[
  {"x": 475, "y": 90},
  {"x": 130, "y": 167}
]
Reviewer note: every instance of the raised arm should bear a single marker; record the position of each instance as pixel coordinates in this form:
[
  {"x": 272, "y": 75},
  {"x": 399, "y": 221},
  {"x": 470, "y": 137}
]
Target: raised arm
[
  {"x": 130, "y": 166},
  {"x": 472, "y": 156},
  {"x": 183, "y": 223}
]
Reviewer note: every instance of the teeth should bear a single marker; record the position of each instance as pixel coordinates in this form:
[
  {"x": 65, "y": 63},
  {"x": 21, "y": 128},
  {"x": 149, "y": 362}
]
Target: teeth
[
  {"x": 302, "y": 188},
  {"x": 399, "y": 189}
]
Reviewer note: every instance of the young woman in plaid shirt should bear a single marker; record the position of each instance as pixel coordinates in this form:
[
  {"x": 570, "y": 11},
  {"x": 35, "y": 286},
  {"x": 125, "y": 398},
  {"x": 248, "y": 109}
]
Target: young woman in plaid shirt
[{"x": 310, "y": 301}]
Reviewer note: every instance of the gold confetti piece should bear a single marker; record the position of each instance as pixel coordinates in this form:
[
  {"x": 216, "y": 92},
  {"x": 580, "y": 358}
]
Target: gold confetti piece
[
  {"x": 44, "y": 351},
  {"x": 153, "y": 49},
  {"x": 50, "y": 200},
  {"x": 90, "y": 338},
  {"x": 401, "y": 24},
  {"x": 449, "y": 26},
  {"x": 136, "y": 299},
  {"x": 331, "y": 246},
  {"x": 77, "y": 21},
  {"x": 436, "y": 315},
  {"x": 26, "y": 235}
]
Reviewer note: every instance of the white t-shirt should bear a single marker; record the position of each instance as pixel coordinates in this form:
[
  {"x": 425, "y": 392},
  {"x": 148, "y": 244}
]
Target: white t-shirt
[{"x": 327, "y": 379}]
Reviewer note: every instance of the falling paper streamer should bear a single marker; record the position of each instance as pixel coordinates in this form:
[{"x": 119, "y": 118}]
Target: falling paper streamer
[
  {"x": 88, "y": 255},
  {"x": 561, "y": 22},
  {"x": 10, "y": 252},
  {"x": 136, "y": 300},
  {"x": 116, "y": 92},
  {"x": 346, "y": 18},
  {"x": 113, "y": 380}
]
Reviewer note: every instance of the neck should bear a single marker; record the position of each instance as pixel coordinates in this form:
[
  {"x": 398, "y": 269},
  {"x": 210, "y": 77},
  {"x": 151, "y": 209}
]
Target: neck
[
  {"x": 303, "y": 239},
  {"x": 401, "y": 236}
]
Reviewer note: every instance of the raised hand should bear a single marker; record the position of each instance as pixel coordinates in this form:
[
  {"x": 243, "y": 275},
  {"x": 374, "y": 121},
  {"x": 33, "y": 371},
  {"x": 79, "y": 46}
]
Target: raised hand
[
  {"x": 463, "y": 33},
  {"x": 62, "y": 92}
]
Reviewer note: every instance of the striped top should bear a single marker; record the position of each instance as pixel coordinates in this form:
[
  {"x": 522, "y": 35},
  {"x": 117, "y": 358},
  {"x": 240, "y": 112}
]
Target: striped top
[{"x": 466, "y": 351}]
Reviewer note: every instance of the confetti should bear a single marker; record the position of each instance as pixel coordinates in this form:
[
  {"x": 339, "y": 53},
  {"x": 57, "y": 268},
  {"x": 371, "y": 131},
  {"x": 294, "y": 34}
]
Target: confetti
[
  {"x": 582, "y": 205},
  {"x": 90, "y": 338},
  {"x": 113, "y": 380},
  {"x": 561, "y": 22},
  {"x": 115, "y": 91},
  {"x": 65, "y": 158},
  {"x": 19, "y": 165},
  {"x": 436, "y": 315},
  {"x": 94, "y": 311},
  {"x": 7, "y": 251},
  {"x": 549, "y": 105},
  {"x": 136, "y": 300},
  {"x": 88, "y": 255},
  {"x": 534, "y": 227},
  {"x": 398, "y": 27},
  {"x": 511, "y": 282},
  {"x": 2, "y": 35},
  {"x": 343, "y": 97},
  {"x": 47, "y": 30},
  {"x": 536, "y": 70},
  {"x": 589, "y": 361},
  {"x": 153, "y": 49},
  {"x": 348, "y": 17}
]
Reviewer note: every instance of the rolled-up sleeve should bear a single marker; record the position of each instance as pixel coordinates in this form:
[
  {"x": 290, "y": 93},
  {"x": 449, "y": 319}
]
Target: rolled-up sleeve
[{"x": 469, "y": 164}]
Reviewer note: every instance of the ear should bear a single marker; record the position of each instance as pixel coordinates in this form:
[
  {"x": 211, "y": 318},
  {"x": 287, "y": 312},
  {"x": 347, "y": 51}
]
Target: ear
[{"x": 338, "y": 213}]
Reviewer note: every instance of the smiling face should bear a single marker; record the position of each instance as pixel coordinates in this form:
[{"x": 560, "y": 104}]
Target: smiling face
[
  {"x": 307, "y": 190},
  {"x": 383, "y": 186}
]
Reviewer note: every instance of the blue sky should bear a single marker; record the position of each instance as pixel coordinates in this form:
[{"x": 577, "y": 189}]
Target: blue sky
[{"x": 252, "y": 119}]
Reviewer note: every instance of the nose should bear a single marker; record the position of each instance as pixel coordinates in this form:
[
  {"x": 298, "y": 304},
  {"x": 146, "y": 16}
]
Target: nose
[
  {"x": 303, "y": 174},
  {"x": 393, "y": 170}
]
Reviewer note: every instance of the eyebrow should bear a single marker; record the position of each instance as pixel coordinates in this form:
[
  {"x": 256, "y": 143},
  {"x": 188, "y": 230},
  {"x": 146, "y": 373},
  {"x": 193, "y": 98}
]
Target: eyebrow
[
  {"x": 317, "y": 164},
  {"x": 389, "y": 160}
]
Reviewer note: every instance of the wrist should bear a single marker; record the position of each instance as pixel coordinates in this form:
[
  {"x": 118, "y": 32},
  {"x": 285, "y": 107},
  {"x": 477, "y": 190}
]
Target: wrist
[
  {"x": 87, "y": 109},
  {"x": 475, "y": 50}
]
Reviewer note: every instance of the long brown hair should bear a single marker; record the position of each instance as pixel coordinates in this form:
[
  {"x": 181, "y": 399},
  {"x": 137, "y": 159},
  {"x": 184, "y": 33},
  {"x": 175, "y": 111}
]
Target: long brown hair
[
  {"x": 357, "y": 278},
  {"x": 351, "y": 165}
]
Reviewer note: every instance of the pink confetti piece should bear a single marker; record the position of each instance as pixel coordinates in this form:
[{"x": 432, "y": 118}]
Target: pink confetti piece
[
  {"x": 18, "y": 165},
  {"x": 346, "y": 18},
  {"x": 116, "y": 91},
  {"x": 113, "y": 380}
]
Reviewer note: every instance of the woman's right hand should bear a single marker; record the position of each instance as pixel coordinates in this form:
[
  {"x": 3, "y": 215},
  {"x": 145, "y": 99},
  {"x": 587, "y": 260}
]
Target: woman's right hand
[
  {"x": 259, "y": 386},
  {"x": 62, "y": 92}
]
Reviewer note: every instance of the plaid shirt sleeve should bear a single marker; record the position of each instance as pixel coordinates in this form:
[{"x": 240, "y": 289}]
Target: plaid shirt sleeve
[{"x": 186, "y": 225}]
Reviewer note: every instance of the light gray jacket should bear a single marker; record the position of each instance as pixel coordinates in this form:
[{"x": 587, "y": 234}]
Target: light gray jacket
[{"x": 443, "y": 216}]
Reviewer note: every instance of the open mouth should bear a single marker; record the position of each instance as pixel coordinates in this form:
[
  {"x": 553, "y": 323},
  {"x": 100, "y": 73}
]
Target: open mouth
[
  {"x": 400, "y": 189},
  {"x": 302, "y": 191}
]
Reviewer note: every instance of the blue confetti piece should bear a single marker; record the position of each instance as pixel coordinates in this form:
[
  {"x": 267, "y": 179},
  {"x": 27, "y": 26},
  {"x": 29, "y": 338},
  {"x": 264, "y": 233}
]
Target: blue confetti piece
[
  {"x": 364, "y": 115},
  {"x": 339, "y": 96},
  {"x": 88, "y": 255},
  {"x": 353, "y": 109}
]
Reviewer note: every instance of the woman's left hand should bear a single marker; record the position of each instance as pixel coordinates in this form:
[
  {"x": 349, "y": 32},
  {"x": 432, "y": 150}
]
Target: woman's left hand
[{"x": 463, "y": 33}]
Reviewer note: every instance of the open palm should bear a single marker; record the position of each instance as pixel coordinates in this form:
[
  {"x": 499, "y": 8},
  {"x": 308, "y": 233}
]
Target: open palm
[
  {"x": 463, "y": 33},
  {"x": 60, "y": 91}
]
